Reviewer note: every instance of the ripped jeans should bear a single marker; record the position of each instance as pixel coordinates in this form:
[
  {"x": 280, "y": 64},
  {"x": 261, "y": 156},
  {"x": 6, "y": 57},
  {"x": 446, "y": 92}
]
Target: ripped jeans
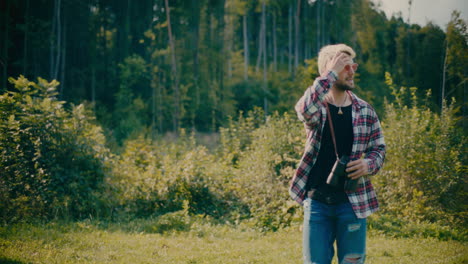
[{"x": 323, "y": 224}]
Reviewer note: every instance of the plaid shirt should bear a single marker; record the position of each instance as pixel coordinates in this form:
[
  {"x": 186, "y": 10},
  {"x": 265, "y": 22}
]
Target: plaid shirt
[{"x": 368, "y": 141}]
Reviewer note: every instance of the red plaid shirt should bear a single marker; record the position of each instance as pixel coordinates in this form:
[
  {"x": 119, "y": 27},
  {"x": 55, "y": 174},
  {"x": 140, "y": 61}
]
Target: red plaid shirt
[{"x": 368, "y": 142}]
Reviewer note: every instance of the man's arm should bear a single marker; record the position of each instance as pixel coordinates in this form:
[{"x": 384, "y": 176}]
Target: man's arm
[
  {"x": 374, "y": 153},
  {"x": 308, "y": 107}
]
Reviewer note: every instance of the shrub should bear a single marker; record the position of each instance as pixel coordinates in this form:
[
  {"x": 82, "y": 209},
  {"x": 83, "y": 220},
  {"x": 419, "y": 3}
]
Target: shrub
[
  {"x": 425, "y": 172},
  {"x": 51, "y": 159},
  {"x": 265, "y": 166},
  {"x": 156, "y": 177},
  {"x": 246, "y": 178},
  {"x": 238, "y": 135}
]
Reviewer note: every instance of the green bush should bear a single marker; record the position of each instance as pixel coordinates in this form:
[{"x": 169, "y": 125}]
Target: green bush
[
  {"x": 53, "y": 162},
  {"x": 267, "y": 157},
  {"x": 247, "y": 177},
  {"x": 51, "y": 159},
  {"x": 424, "y": 176},
  {"x": 156, "y": 177}
]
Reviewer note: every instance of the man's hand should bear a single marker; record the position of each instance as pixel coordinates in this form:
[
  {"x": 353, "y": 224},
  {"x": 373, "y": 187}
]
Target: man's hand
[
  {"x": 338, "y": 62},
  {"x": 357, "y": 168}
]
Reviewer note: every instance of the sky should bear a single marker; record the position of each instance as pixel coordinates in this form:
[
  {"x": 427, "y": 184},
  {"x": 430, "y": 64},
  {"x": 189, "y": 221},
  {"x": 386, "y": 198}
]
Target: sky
[{"x": 423, "y": 11}]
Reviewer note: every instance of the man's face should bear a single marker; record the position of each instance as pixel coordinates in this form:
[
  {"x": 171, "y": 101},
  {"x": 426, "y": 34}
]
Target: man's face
[{"x": 346, "y": 77}]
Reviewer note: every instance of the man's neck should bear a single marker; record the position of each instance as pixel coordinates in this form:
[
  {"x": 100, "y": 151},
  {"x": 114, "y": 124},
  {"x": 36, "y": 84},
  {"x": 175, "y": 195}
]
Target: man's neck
[{"x": 338, "y": 97}]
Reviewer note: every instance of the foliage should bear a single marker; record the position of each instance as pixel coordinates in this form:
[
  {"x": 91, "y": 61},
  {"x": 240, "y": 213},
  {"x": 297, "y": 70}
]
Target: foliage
[
  {"x": 237, "y": 136},
  {"x": 116, "y": 54},
  {"x": 54, "y": 163},
  {"x": 130, "y": 110},
  {"x": 155, "y": 177},
  {"x": 246, "y": 177},
  {"x": 456, "y": 56},
  {"x": 52, "y": 160},
  {"x": 264, "y": 160},
  {"x": 424, "y": 178},
  {"x": 104, "y": 242}
]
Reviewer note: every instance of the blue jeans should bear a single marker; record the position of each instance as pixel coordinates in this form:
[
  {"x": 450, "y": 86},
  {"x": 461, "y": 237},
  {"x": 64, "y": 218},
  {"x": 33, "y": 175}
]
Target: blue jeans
[{"x": 323, "y": 224}]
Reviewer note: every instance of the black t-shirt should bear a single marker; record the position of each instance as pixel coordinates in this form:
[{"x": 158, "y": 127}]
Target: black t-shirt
[{"x": 343, "y": 127}]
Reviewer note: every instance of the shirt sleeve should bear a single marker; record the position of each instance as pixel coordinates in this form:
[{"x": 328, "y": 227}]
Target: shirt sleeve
[
  {"x": 308, "y": 107},
  {"x": 375, "y": 152}
]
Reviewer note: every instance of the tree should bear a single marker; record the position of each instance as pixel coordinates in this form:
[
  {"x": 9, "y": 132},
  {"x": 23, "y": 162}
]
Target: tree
[
  {"x": 246, "y": 47},
  {"x": 200, "y": 60},
  {"x": 456, "y": 60},
  {"x": 297, "y": 34},
  {"x": 176, "y": 115},
  {"x": 6, "y": 43}
]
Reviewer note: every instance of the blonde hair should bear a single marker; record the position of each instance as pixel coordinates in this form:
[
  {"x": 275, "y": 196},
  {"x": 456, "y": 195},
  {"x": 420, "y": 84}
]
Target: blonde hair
[{"x": 327, "y": 52}]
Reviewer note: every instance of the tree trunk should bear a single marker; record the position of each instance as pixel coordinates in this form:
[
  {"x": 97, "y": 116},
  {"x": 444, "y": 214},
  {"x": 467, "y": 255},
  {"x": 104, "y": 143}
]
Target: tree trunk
[
  {"x": 319, "y": 36},
  {"x": 93, "y": 85},
  {"x": 228, "y": 38},
  {"x": 265, "y": 80},
  {"x": 52, "y": 43},
  {"x": 290, "y": 39},
  {"x": 26, "y": 39},
  {"x": 298, "y": 13},
  {"x": 325, "y": 34},
  {"x": 5, "y": 45},
  {"x": 106, "y": 51},
  {"x": 246, "y": 48},
  {"x": 176, "y": 115},
  {"x": 159, "y": 104},
  {"x": 408, "y": 52},
  {"x": 305, "y": 44},
  {"x": 275, "y": 48},
  {"x": 127, "y": 29},
  {"x": 64, "y": 53},
  {"x": 444, "y": 70},
  {"x": 261, "y": 51},
  {"x": 223, "y": 91},
  {"x": 59, "y": 40},
  {"x": 154, "y": 106},
  {"x": 55, "y": 47},
  {"x": 195, "y": 40}
]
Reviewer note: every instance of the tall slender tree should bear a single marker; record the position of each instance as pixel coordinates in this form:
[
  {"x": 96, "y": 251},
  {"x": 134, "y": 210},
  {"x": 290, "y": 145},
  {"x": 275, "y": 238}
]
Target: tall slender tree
[
  {"x": 246, "y": 46},
  {"x": 265, "y": 79},
  {"x": 275, "y": 47},
  {"x": 26, "y": 37},
  {"x": 261, "y": 39},
  {"x": 297, "y": 34},
  {"x": 176, "y": 110},
  {"x": 6, "y": 43},
  {"x": 290, "y": 43}
]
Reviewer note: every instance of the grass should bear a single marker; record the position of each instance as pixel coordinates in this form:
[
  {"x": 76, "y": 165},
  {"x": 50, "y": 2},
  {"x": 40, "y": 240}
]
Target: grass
[{"x": 135, "y": 242}]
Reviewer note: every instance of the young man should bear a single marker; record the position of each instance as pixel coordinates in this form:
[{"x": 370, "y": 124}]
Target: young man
[{"x": 336, "y": 213}]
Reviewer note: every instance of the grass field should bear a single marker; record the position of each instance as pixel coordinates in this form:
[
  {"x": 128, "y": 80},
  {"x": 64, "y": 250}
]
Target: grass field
[{"x": 90, "y": 242}]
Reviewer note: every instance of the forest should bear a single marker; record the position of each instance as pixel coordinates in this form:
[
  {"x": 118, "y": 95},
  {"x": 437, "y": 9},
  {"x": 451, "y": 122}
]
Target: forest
[
  {"x": 121, "y": 109},
  {"x": 165, "y": 65}
]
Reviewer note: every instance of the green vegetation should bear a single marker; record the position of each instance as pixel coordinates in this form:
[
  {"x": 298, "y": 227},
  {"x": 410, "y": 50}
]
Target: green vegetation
[
  {"x": 425, "y": 173},
  {"x": 56, "y": 166},
  {"x": 111, "y": 159},
  {"x": 53, "y": 160},
  {"x": 193, "y": 64},
  {"x": 140, "y": 242}
]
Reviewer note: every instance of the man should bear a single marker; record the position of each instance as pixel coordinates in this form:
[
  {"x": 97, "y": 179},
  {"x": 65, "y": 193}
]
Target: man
[{"x": 336, "y": 213}]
